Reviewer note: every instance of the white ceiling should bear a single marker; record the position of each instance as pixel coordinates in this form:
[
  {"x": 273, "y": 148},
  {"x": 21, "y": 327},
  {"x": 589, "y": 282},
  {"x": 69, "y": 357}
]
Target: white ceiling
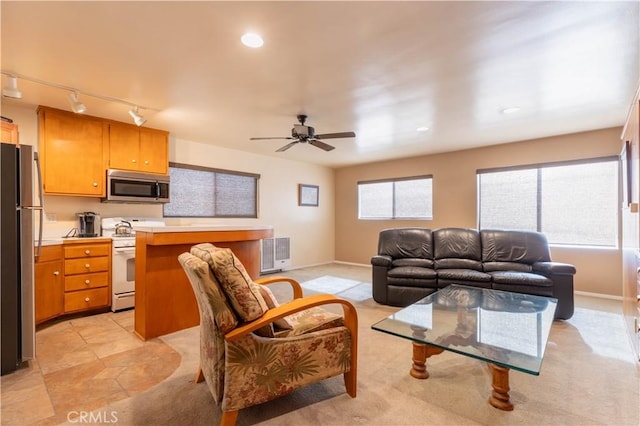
[{"x": 381, "y": 69}]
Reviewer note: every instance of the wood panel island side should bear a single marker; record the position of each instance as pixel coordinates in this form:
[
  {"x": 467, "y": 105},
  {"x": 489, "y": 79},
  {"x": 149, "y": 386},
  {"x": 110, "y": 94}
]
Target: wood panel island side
[{"x": 164, "y": 300}]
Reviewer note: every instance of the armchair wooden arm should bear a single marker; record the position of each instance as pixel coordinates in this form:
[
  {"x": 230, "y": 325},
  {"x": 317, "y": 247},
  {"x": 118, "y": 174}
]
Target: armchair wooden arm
[{"x": 295, "y": 285}]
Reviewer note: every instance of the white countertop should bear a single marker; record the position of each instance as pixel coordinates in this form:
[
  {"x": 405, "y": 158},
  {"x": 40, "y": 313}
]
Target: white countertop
[{"x": 201, "y": 228}]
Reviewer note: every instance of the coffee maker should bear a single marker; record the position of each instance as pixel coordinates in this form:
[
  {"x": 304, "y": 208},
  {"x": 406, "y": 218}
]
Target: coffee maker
[{"x": 88, "y": 224}]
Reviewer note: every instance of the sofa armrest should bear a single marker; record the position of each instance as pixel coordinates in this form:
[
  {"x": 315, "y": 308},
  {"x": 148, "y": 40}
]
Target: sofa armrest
[
  {"x": 381, "y": 260},
  {"x": 554, "y": 268}
]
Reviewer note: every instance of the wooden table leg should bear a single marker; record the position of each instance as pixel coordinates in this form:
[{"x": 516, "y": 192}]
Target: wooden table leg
[
  {"x": 500, "y": 394},
  {"x": 420, "y": 354}
]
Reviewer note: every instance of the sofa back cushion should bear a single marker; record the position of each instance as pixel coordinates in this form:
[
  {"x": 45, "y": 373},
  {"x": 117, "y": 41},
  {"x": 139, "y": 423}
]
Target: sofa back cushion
[
  {"x": 457, "y": 248},
  {"x": 513, "y": 250},
  {"x": 401, "y": 243}
]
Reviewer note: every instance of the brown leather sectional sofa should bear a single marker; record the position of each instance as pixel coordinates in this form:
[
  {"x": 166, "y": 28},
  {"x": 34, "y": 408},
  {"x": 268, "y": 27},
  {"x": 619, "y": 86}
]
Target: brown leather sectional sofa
[{"x": 414, "y": 262}]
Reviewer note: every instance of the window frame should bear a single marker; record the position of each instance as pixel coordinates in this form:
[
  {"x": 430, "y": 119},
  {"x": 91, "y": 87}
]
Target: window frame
[
  {"x": 217, "y": 171},
  {"x": 538, "y": 167},
  {"x": 393, "y": 200}
]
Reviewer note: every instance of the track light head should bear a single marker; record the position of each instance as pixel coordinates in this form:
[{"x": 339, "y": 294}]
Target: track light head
[
  {"x": 76, "y": 106},
  {"x": 10, "y": 90},
  {"x": 137, "y": 118}
]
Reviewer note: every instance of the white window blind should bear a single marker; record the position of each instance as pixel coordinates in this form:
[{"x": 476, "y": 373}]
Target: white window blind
[
  {"x": 406, "y": 198},
  {"x": 204, "y": 192},
  {"x": 571, "y": 203}
]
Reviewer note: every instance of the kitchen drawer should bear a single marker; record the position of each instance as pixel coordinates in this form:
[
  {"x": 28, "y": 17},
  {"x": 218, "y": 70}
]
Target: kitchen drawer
[
  {"x": 86, "y": 281},
  {"x": 48, "y": 253},
  {"x": 86, "y": 250},
  {"x": 86, "y": 299},
  {"x": 83, "y": 266}
]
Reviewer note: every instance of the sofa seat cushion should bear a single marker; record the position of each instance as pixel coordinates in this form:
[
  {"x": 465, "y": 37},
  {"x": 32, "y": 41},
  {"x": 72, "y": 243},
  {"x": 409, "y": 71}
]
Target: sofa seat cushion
[
  {"x": 522, "y": 282},
  {"x": 412, "y": 261},
  {"x": 506, "y": 266},
  {"x": 463, "y": 275},
  {"x": 412, "y": 276}
]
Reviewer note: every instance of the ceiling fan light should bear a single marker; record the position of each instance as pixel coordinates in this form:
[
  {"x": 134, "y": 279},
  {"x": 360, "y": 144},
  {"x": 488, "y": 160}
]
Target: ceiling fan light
[
  {"x": 10, "y": 90},
  {"x": 137, "y": 118},
  {"x": 252, "y": 40},
  {"x": 76, "y": 106},
  {"x": 511, "y": 110}
]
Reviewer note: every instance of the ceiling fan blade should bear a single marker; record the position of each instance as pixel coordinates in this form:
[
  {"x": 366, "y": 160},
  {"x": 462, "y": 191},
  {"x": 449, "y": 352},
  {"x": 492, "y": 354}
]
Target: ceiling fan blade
[
  {"x": 287, "y": 146},
  {"x": 264, "y": 139},
  {"x": 336, "y": 135},
  {"x": 321, "y": 145}
]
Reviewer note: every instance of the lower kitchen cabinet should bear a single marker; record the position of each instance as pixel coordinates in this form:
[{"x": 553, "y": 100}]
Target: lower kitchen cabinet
[
  {"x": 49, "y": 283},
  {"x": 87, "y": 275}
]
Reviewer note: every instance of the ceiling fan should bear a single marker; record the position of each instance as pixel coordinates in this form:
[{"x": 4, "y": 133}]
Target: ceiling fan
[{"x": 303, "y": 134}]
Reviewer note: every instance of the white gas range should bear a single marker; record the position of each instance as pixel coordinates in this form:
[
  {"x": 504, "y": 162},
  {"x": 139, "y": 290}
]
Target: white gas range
[{"x": 122, "y": 231}]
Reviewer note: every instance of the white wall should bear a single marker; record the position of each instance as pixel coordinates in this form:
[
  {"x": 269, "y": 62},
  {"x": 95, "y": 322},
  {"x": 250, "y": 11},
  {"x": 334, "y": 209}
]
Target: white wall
[{"x": 311, "y": 228}]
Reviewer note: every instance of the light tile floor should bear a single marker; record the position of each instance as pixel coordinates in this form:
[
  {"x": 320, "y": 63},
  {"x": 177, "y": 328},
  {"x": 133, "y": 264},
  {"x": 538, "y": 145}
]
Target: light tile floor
[{"x": 83, "y": 364}]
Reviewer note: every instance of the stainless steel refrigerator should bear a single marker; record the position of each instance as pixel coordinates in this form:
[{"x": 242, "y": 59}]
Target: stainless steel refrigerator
[{"x": 19, "y": 165}]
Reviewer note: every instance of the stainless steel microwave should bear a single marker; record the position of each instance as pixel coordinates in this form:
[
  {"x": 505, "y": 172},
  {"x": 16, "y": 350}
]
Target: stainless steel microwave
[{"x": 132, "y": 187}]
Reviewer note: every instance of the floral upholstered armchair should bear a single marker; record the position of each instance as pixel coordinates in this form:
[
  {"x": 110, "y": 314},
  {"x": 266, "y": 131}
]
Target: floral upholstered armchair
[{"x": 252, "y": 349}]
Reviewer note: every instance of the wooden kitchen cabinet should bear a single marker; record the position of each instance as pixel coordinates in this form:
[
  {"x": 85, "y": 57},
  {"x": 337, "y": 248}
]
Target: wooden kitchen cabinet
[
  {"x": 9, "y": 133},
  {"x": 74, "y": 153},
  {"x": 87, "y": 275},
  {"x": 138, "y": 149},
  {"x": 49, "y": 284}
]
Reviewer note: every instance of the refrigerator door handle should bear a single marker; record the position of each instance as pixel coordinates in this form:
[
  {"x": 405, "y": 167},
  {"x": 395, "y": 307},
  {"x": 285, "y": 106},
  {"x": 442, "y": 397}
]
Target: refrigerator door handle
[{"x": 36, "y": 159}]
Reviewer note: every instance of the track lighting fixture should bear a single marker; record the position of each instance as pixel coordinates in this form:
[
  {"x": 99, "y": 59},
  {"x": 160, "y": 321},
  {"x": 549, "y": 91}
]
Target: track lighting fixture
[
  {"x": 76, "y": 106},
  {"x": 137, "y": 118},
  {"x": 10, "y": 90}
]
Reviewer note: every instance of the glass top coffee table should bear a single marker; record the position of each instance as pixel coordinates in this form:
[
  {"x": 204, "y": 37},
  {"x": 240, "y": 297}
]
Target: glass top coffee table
[{"x": 507, "y": 330}]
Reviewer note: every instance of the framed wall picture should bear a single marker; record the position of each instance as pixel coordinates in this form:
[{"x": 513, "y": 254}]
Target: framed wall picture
[{"x": 308, "y": 195}]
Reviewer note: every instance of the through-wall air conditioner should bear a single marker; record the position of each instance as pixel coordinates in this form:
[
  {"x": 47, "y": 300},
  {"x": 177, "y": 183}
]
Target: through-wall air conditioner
[{"x": 275, "y": 254}]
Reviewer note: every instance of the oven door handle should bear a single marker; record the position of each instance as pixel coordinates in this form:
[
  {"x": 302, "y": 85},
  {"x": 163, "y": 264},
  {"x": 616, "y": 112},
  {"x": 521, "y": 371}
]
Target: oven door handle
[{"x": 124, "y": 250}]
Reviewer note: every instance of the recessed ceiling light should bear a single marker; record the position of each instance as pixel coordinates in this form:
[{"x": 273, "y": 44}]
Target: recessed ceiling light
[
  {"x": 422, "y": 129},
  {"x": 252, "y": 40},
  {"x": 510, "y": 110}
]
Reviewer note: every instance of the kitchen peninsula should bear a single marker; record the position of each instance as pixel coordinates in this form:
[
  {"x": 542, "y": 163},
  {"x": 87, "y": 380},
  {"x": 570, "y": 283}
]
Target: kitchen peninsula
[{"x": 164, "y": 300}]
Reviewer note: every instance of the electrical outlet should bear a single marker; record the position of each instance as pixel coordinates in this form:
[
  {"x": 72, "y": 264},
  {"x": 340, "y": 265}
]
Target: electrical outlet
[{"x": 51, "y": 217}]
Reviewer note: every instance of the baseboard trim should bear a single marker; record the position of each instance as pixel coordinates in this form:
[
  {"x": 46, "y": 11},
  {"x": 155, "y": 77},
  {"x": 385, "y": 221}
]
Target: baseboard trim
[
  {"x": 598, "y": 295},
  {"x": 328, "y": 263}
]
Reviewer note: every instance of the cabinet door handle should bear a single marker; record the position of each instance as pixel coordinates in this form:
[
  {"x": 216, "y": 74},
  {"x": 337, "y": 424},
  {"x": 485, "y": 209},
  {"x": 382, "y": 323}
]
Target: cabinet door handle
[
  {"x": 87, "y": 252},
  {"x": 146, "y": 162},
  {"x": 133, "y": 161},
  {"x": 95, "y": 184},
  {"x": 86, "y": 265},
  {"x": 56, "y": 273},
  {"x": 86, "y": 299},
  {"x": 87, "y": 282}
]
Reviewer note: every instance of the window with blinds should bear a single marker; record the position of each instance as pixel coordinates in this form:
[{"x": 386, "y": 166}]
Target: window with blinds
[
  {"x": 572, "y": 203},
  {"x": 405, "y": 198},
  {"x": 205, "y": 192}
]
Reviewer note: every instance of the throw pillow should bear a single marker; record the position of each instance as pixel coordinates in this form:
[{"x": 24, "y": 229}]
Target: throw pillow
[
  {"x": 234, "y": 280},
  {"x": 272, "y": 302}
]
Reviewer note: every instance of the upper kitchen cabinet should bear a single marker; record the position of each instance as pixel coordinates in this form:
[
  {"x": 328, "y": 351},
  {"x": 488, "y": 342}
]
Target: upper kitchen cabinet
[
  {"x": 138, "y": 149},
  {"x": 74, "y": 153},
  {"x": 9, "y": 132}
]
